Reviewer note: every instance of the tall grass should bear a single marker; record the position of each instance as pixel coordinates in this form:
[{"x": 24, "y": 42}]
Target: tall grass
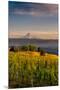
[{"x": 30, "y": 69}]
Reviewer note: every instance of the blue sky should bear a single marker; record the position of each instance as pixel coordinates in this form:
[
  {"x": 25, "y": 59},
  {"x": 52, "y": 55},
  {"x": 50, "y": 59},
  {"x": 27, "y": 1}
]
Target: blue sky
[{"x": 40, "y": 20}]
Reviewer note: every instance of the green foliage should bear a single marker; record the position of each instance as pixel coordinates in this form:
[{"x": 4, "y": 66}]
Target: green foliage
[
  {"x": 23, "y": 48},
  {"x": 28, "y": 48},
  {"x": 32, "y": 48},
  {"x": 28, "y": 71}
]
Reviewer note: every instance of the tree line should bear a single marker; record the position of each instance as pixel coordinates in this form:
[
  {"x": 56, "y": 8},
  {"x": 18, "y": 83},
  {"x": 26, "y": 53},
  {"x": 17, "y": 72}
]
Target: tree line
[{"x": 27, "y": 48}]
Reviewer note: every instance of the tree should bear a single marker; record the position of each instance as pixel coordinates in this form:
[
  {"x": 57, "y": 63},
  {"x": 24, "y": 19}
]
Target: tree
[
  {"x": 12, "y": 48},
  {"x": 39, "y": 49},
  {"x": 32, "y": 48},
  {"x": 24, "y": 48},
  {"x": 42, "y": 52}
]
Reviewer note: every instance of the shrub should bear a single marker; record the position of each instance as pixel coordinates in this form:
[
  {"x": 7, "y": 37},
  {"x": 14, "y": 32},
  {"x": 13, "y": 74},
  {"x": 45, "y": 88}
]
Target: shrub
[
  {"x": 39, "y": 49},
  {"x": 28, "y": 48},
  {"x": 32, "y": 48},
  {"x": 42, "y": 52},
  {"x": 12, "y": 48},
  {"x": 24, "y": 48}
]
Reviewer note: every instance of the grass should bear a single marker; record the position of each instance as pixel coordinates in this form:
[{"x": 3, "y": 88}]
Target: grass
[{"x": 30, "y": 69}]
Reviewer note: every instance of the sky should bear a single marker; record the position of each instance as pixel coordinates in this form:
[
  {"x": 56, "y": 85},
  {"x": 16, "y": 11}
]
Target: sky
[{"x": 38, "y": 19}]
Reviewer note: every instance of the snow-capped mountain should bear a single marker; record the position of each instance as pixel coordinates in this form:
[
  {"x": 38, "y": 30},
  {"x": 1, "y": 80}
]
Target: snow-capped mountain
[{"x": 28, "y": 35}]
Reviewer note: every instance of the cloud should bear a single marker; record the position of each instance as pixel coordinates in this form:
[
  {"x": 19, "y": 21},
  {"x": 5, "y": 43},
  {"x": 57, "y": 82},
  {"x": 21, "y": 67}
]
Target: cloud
[
  {"x": 34, "y": 34},
  {"x": 35, "y": 9}
]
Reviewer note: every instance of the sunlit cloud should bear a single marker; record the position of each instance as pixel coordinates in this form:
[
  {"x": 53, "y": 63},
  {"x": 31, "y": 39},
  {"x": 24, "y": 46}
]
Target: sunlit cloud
[{"x": 37, "y": 35}]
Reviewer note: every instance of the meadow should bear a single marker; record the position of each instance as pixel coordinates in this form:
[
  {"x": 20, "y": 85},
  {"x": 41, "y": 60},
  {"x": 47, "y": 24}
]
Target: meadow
[{"x": 30, "y": 69}]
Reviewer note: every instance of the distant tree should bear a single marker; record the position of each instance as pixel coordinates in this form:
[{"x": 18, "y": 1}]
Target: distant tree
[
  {"x": 42, "y": 52},
  {"x": 28, "y": 48},
  {"x": 39, "y": 49},
  {"x": 32, "y": 48},
  {"x": 12, "y": 48},
  {"x": 24, "y": 48},
  {"x": 17, "y": 49}
]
